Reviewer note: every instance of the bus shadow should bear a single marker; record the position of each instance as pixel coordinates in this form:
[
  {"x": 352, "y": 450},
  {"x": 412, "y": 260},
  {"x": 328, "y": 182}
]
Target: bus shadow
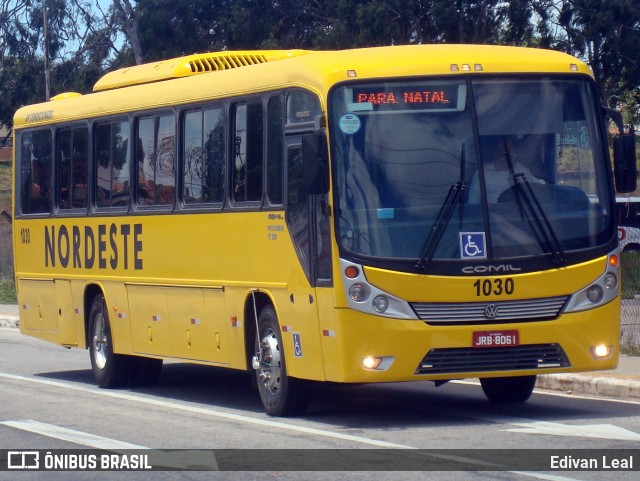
[
  {"x": 393, "y": 405},
  {"x": 187, "y": 382},
  {"x": 420, "y": 404}
]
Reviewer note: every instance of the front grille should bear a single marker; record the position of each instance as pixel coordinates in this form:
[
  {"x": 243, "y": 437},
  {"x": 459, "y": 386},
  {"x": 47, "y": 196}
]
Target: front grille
[
  {"x": 469, "y": 359},
  {"x": 438, "y": 313}
]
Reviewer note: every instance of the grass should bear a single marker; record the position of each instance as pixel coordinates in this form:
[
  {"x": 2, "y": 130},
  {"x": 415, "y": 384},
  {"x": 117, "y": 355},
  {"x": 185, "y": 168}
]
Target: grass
[
  {"x": 7, "y": 291},
  {"x": 5, "y": 186},
  {"x": 630, "y": 350},
  {"x": 630, "y": 274}
]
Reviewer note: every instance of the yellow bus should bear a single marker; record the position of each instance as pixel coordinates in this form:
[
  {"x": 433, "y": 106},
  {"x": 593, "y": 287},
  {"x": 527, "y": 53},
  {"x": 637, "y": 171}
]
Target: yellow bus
[{"x": 402, "y": 213}]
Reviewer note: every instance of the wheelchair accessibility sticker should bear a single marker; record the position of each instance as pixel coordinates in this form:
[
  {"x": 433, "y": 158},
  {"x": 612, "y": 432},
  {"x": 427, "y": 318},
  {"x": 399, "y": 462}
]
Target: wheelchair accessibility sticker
[
  {"x": 297, "y": 345},
  {"x": 473, "y": 245}
]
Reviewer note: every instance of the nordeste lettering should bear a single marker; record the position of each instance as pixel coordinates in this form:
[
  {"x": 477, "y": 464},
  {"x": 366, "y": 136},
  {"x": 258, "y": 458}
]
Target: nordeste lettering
[{"x": 115, "y": 246}]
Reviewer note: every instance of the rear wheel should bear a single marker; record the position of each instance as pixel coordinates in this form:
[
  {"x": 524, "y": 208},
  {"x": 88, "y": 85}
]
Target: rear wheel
[
  {"x": 281, "y": 395},
  {"x": 508, "y": 389},
  {"x": 109, "y": 369}
]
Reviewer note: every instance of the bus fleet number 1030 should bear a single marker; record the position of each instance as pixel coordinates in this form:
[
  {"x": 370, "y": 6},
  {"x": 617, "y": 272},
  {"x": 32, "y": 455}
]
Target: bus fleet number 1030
[{"x": 497, "y": 287}]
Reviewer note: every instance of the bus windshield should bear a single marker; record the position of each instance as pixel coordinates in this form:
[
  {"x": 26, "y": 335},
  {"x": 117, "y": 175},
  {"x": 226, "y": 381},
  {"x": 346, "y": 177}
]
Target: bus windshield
[{"x": 470, "y": 169}]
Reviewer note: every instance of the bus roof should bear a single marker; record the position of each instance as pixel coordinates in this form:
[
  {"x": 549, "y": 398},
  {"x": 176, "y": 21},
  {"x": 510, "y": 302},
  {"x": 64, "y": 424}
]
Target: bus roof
[{"x": 225, "y": 74}]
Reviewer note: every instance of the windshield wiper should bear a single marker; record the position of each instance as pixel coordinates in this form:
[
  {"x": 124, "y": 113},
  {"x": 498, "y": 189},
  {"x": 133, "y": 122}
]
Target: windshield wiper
[
  {"x": 455, "y": 195},
  {"x": 542, "y": 222},
  {"x": 525, "y": 196}
]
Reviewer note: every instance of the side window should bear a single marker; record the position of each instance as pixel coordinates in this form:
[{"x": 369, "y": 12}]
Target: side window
[
  {"x": 112, "y": 164},
  {"x": 203, "y": 156},
  {"x": 298, "y": 205},
  {"x": 35, "y": 172},
  {"x": 275, "y": 154},
  {"x": 302, "y": 107},
  {"x": 72, "y": 165},
  {"x": 247, "y": 153},
  {"x": 155, "y": 155}
]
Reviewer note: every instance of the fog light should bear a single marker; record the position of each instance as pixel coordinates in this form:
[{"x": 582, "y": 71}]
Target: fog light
[
  {"x": 595, "y": 293},
  {"x": 380, "y": 304},
  {"x": 610, "y": 281},
  {"x": 358, "y": 293},
  {"x": 370, "y": 362},
  {"x": 601, "y": 351}
]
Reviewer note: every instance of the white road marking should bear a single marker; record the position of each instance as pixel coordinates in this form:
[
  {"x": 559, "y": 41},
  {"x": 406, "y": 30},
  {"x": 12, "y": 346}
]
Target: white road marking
[
  {"x": 547, "y": 477},
  {"x": 70, "y": 435},
  {"x": 245, "y": 419},
  {"x": 174, "y": 460},
  {"x": 600, "y": 431},
  {"x": 208, "y": 412}
]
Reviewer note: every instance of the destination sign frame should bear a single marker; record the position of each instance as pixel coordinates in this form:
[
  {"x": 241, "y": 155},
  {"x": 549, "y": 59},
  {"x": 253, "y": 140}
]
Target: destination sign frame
[{"x": 407, "y": 97}]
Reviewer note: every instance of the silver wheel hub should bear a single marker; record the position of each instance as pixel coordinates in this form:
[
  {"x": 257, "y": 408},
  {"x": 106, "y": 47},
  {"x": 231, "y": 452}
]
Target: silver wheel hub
[
  {"x": 269, "y": 370},
  {"x": 100, "y": 341}
]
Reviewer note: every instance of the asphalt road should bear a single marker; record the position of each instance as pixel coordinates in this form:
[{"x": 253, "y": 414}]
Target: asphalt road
[{"x": 48, "y": 401}]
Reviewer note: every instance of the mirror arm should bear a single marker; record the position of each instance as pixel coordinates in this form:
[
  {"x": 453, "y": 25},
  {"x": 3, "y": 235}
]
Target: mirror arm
[{"x": 616, "y": 117}]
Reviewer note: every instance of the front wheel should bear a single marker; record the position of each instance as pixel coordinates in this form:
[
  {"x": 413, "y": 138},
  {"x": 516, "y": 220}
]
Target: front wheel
[
  {"x": 109, "y": 369},
  {"x": 508, "y": 389},
  {"x": 280, "y": 394}
]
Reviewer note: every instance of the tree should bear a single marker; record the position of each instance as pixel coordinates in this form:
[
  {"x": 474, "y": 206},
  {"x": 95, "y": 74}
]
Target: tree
[
  {"x": 81, "y": 42},
  {"x": 127, "y": 19},
  {"x": 605, "y": 34}
]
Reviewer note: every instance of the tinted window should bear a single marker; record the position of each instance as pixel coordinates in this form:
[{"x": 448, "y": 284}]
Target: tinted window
[
  {"x": 247, "y": 153},
  {"x": 302, "y": 107},
  {"x": 72, "y": 164},
  {"x": 275, "y": 135},
  {"x": 35, "y": 165},
  {"x": 112, "y": 164},
  {"x": 155, "y": 154},
  {"x": 203, "y": 156}
]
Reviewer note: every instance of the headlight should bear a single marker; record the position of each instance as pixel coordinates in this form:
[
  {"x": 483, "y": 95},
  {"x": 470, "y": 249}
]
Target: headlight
[
  {"x": 595, "y": 293},
  {"x": 380, "y": 304},
  {"x": 610, "y": 281},
  {"x": 358, "y": 292},
  {"x": 601, "y": 291}
]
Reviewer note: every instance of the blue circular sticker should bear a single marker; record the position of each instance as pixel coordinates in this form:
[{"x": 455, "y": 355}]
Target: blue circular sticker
[{"x": 349, "y": 124}]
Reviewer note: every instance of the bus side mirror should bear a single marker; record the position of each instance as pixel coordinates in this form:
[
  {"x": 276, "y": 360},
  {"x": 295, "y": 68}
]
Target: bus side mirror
[
  {"x": 624, "y": 162},
  {"x": 625, "y": 170},
  {"x": 315, "y": 164}
]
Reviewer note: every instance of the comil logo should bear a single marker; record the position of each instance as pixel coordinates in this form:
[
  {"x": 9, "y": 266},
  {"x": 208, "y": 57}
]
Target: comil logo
[{"x": 23, "y": 460}]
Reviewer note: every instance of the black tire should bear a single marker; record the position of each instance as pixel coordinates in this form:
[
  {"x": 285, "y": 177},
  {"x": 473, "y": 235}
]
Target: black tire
[
  {"x": 508, "y": 389},
  {"x": 109, "y": 369},
  {"x": 281, "y": 395}
]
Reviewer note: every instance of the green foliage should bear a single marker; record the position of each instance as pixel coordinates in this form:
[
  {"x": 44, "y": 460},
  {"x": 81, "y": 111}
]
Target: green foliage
[
  {"x": 630, "y": 264},
  {"x": 605, "y": 33},
  {"x": 84, "y": 42},
  {"x": 630, "y": 350},
  {"x": 5, "y": 187},
  {"x": 7, "y": 291}
]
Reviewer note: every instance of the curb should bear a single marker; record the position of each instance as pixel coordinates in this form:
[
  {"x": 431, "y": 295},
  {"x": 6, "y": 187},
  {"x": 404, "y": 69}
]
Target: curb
[
  {"x": 610, "y": 387},
  {"x": 10, "y": 322}
]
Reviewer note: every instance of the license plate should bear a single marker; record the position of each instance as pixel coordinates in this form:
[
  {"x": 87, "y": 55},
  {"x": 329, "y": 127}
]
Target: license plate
[{"x": 496, "y": 338}]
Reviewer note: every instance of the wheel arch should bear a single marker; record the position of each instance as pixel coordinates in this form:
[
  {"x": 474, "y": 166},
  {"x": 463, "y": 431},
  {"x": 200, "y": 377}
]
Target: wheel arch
[
  {"x": 262, "y": 299},
  {"x": 90, "y": 293}
]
